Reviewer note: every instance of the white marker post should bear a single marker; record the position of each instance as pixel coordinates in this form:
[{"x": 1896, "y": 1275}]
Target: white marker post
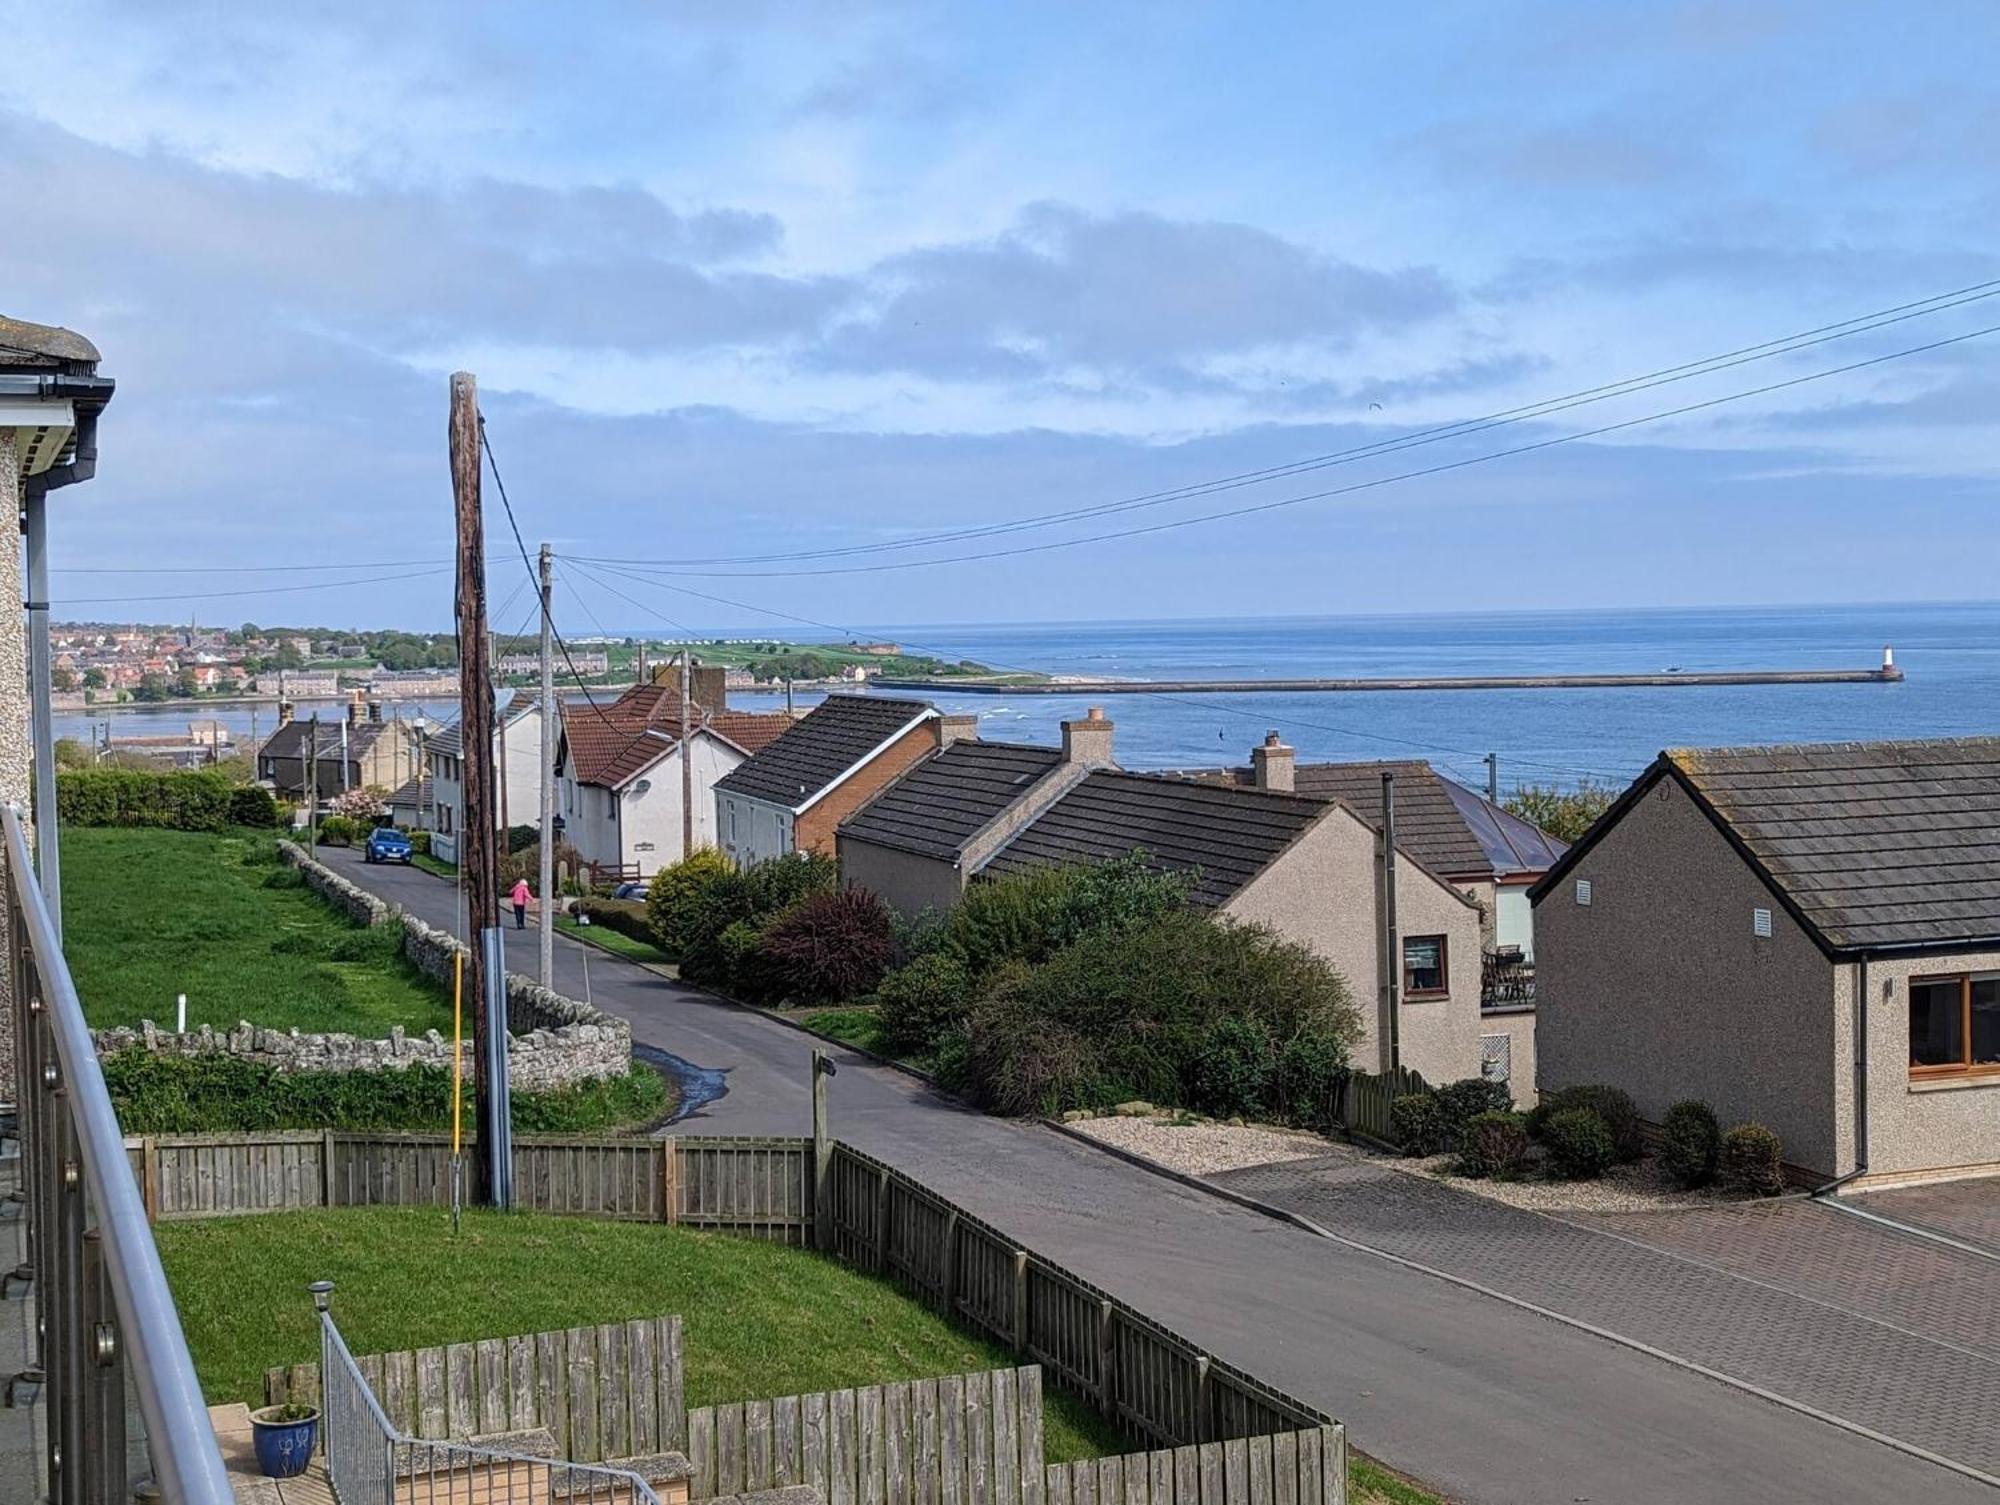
[{"x": 181, "y": 1014}]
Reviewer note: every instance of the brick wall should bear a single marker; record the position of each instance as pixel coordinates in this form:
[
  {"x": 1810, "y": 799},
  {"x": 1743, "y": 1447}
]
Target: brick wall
[{"x": 813, "y": 831}]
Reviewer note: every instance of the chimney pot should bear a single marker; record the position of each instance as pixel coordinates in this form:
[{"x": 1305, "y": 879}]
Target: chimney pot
[
  {"x": 285, "y": 713},
  {"x": 1088, "y": 741}
]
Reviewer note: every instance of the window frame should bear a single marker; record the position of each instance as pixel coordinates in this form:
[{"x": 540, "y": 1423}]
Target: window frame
[
  {"x": 1965, "y": 1067},
  {"x": 1443, "y": 989}
]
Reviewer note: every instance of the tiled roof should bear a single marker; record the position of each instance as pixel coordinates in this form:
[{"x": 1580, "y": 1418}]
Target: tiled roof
[
  {"x": 836, "y": 735},
  {"x": 613, "y": 744},
  {"x": 942, "y": 802},
  {"x": 294, "y": 739},
  {"x": 1867, "y": 843},
  {"x": 1445, "y": 826},
  {"x": 1228, "y": 835},
  {"x": 416, "y": 792}
]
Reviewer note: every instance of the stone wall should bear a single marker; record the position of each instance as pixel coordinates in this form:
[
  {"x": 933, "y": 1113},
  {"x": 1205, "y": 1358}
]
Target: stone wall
[{"x": 553, "y": 1041}]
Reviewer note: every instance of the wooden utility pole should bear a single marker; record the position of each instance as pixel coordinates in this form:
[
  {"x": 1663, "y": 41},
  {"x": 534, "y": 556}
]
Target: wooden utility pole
[
  {"x": 546, "y": 916},
  {"x": 687, "y": 755},
  {"x": 493, "y": 1171}
]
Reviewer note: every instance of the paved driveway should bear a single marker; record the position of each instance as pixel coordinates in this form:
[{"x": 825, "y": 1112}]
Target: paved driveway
[
  {"x": 1480, "y": 1399},
  {"x": 1965, "y": 1210}
]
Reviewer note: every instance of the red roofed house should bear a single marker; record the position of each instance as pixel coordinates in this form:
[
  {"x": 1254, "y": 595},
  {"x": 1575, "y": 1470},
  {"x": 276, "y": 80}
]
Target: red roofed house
[{"x": 618, "y": 770}]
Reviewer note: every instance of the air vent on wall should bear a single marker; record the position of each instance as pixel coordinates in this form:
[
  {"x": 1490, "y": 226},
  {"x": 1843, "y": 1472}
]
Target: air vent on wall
[
  {"x": 1760, "y": 923},
  {"x": 1583, "y": 891}
]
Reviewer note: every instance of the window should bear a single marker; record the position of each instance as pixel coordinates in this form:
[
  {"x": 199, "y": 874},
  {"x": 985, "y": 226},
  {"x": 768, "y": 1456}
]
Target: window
[
  {"x": 1955, "y": 1024},
  {"x": 1425, "y": 973}
]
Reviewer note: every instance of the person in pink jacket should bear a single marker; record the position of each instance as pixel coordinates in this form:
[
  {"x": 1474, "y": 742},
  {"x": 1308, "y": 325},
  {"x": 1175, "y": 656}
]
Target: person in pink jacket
[{"x": 520, "y": 898}]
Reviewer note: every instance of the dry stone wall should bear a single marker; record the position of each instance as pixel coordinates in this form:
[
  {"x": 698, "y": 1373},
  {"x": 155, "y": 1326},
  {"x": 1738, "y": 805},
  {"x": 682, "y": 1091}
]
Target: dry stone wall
[{"x": 553, "y": 1041}]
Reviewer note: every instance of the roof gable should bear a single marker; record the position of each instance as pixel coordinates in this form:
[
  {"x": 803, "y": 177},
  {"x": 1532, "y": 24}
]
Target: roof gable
[
  {"x": 940, "y": 804},
  {"x": 610, "y": 745},
  {"x": 815, "y": 753}
]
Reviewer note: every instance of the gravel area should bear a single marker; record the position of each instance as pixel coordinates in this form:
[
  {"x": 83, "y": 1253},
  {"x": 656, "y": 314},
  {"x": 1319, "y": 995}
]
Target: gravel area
[{"x": 1203, "y": 1148}]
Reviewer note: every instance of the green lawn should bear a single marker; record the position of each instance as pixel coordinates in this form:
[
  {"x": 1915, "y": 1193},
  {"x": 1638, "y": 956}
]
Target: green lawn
[
  {"x": 153, "y": 913},
  {"x": 615, "y": 941},
  {"x": 760, "y": 1319},
  {"x": 435, "y": 865}
]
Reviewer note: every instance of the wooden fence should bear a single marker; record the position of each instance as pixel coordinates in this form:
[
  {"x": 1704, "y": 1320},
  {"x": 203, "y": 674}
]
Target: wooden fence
[
  {"x": 966, "y": 1439},
  {"x": 1365, "y": 1101},
  {"x": 1307, "y": 1467},
  {"x": 612, "y": 1391},
  {"x": 757, "y": 1187}
]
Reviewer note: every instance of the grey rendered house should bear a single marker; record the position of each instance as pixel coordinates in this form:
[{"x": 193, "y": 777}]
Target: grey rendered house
[{"x": 1805, "y": 936}]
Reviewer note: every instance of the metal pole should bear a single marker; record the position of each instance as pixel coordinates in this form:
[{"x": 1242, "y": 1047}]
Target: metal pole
[
  {"x": 1493, "y": 778},
  {"x": 312, "y": 787},
  {"x": 48, "y": 858},
  {"x": 687, "y": 755},
  {"x": 546, "y": 920},
  {"x": 1392, "y": 945}
]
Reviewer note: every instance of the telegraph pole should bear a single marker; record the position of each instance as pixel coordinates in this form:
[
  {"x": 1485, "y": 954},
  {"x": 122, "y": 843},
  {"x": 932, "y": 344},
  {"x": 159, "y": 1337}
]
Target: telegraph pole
[
  {"x": 493, "y": 1171},
  {"x": 546, "y": 877},
  {"x": 312, "y": 785},
  {"x": 687, "y": 757}
]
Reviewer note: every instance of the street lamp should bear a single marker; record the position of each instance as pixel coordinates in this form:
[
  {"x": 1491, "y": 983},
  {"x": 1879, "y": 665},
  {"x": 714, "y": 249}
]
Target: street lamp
[{"x": 50, "y": 396}]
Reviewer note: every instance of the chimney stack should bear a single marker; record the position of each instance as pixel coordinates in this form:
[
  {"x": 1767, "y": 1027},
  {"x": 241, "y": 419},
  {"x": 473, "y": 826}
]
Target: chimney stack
[
  {"x": 1088, "y": 741},
  {"x": 952, "y": 729},
  {"x": 374, "y": 710},
  {"x": 354, "y": 712},
  {"x": 285, "y": 710},
  {"x": 1272, "y": 765}
]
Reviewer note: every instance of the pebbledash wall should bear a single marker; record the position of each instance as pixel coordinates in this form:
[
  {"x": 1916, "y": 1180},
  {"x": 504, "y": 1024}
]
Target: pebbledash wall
[{"x": 553, "y": 1041}]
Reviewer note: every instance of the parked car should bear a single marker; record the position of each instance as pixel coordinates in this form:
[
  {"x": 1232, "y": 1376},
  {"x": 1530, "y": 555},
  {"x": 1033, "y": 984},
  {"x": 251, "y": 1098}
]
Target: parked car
[
  {"x": 386, "y": 844},
  {"x": 629, "y": 891}
]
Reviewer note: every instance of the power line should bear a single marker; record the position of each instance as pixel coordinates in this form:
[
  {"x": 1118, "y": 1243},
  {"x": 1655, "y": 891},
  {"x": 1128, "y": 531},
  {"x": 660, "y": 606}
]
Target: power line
[
  {"x": 1358, "y": 486},
  {"x": 268, "y": 590},
  {"x": 1788, "y": 344},
  {"x": 1017, "y": 669},
  {"x": 233, "y": 569}
]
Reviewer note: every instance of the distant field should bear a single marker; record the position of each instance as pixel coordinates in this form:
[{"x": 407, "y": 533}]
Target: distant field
[{"x": 149, "y": 914}]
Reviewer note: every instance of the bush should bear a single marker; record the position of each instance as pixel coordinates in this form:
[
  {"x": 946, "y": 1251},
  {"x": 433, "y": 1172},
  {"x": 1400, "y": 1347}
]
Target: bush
[
  {"x": 1751, "y": 1161},
  {"x": 1579, "y": 1143},
  {"x": 420, "y": 845},
  {"x": 1231, "y": 1072},
  {"x": 678, "y": 897},
  {"x": 1691, "y": 1144},
  {"x": 919, "y": 1002},
  {"x": 626, "y": 916},
  {"x": 1030, "y": 916},
  {"x": 520, "y": 838},
  {"x": 778, "y": 883},
  {"x": 1306, "y": 1084},
  {"x": 1493, "y": 1144},
  {"x": 252, "y": 805},
  {"x": 527, "y": 863},
  {"x": 1462, "y": 1101},
  {"x": 1417, "y": 1123},
  {"x": 1136, "y": 1008},
  {"x": 1611, "y": 1104},
  {"x": 339, "y": 831},
  {"x": 362, "y": 805},
  {"x": 744, "y": 968},
  {"x": 179, "y": 801},
  {"x": 830, "y": 946}
]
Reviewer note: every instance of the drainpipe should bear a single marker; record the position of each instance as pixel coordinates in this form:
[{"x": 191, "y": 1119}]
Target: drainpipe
[
  {"x": 1392, "y": 948},
  {"x": 1860, "y": 1082}
]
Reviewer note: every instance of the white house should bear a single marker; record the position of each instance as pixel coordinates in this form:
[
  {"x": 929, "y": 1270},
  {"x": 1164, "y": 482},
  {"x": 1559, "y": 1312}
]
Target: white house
[{"x": 517, "y": 750}]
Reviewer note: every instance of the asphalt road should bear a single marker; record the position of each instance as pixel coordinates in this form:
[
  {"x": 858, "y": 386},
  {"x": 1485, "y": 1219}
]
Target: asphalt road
[{"x": 1479, "y": 1399}]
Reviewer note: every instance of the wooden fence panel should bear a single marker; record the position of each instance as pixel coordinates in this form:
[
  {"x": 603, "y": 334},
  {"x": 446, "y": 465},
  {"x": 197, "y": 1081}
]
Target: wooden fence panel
[
  {"x": 1364, "y": 1101},
  {"x": 753, "y": 1187},
  {"x": 1306, "y": 1467}
]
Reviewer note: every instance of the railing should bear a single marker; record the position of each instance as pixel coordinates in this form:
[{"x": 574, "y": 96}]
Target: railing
[
  {"x": 1506, "y": 982},
  {"x": 100, "y": 1293},
  {"x": 369, "y": 1462}
]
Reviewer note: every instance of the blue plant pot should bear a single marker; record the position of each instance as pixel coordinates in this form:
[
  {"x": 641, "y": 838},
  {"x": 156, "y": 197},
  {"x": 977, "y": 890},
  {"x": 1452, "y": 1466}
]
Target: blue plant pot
[{"x": 284, "y": 1448}]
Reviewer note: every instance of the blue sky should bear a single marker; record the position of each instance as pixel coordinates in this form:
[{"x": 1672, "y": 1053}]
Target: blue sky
[{"x": 754, "y": 279}]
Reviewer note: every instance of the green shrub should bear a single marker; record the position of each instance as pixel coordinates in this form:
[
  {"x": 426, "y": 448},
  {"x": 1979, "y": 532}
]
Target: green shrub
[
  {"x": 1493, "y": 1144},
  {"x": 520, "y": 838},
  {"x": 1691, "y": 1144},
  {"x": 1579, "y": 1144},
  {"x": 1134, "y": 1008},
  {"x": 679, "y": 897},
  {"x": 252, "y": 805},
  {"x": 1307, "y": 1080},
  {"x": 527, "y": 863},
  {"x": 379, "y": 944},
  {"x": 339, "y": 831},
  {"x": 1611, "y": 1104},
  {"x": 196, "y": 800},
  {"x": 420, "y": 846},
  {"x": 284, "y": 877},
  {"x": 1231, "y": 1071},
  {"x": 918, "y": 1002},
  {"x": 626, "y": 916},
  {"x": 1462, "y": 1101},
  {"x": 1751, "y": 1161},
  {"x": 778, "y": 883},
  {"x": 951, "y": 1058},
  {"x": 1030, "y": 916},
  {"x": 829, "y": 947},
  {"x": 1417, "y": 1124}
]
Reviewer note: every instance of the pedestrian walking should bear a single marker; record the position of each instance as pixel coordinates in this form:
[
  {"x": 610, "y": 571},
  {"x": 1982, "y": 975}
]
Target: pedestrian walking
[{"x": 520, "y": 898}]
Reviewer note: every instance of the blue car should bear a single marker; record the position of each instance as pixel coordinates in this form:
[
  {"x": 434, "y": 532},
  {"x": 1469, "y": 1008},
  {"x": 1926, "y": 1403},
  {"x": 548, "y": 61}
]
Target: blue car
[{"x": 386, "y": 844}]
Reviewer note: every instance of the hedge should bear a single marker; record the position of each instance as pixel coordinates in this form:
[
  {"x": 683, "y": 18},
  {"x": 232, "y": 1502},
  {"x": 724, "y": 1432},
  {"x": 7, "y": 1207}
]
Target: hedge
[
  {"x": 626, "y": 916},
  {"x": 195, "y": 800}
]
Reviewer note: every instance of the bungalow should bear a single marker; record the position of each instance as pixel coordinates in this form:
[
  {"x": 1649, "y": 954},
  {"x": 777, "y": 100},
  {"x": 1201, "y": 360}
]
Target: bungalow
[
  {"x": 1807, "y": 937},
  {"x": 618, "y": 778},
  {"x": 793, "y": 794}
]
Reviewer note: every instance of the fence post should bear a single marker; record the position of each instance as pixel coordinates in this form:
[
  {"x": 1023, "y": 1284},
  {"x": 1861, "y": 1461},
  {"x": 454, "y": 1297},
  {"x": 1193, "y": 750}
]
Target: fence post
[
  {"x": 948, "y": 1282},
  {"x": 1202, "y": 1429},
  {"x": 822, "y": 1182},
  {"x": 882, "y": 1221},
  {"x": 1021, "y": 1301},
  {"x": 149, "y": 1176},
  {"x": 1107, "y": 1359},
  {"x": 670, "y": 1180},
  {"x": 326, "y": 1167}
]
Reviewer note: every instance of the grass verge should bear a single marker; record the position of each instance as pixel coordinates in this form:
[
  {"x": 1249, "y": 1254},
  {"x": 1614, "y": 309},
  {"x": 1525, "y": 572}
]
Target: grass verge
[
  {"x": 153, "y": 913},
  {"x": 1369, "y": 1483},
  {"x": 615, "y": 941},
  {"x": 435, "y": 865},
  {"x": 760, "y": 1319}
]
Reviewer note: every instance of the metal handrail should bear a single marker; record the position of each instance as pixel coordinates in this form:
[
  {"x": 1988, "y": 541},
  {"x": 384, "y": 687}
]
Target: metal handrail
[{"x": 69, "y": 1097}]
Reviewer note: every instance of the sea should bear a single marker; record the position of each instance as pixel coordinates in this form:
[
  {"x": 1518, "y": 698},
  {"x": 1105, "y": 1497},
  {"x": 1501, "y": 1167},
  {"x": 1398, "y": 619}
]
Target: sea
[{"x": 1949, "y": 652}]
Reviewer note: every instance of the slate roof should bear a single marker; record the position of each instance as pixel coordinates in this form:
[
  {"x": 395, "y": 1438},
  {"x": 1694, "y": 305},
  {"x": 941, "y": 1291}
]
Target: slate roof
[
  {"x": 1867, "y": 844},
  {"x": 825, "y": 744},
  {"x": 1445, "y": 826},
  {"x": 413, "y": 792},
  {"x": 613, "y": 744},
  {"x": 450, "y": 739},
  {"x": 1228, "y": 834},
  {"x": 943, "y": 802},
  {"x": 294, "y": 739}
]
